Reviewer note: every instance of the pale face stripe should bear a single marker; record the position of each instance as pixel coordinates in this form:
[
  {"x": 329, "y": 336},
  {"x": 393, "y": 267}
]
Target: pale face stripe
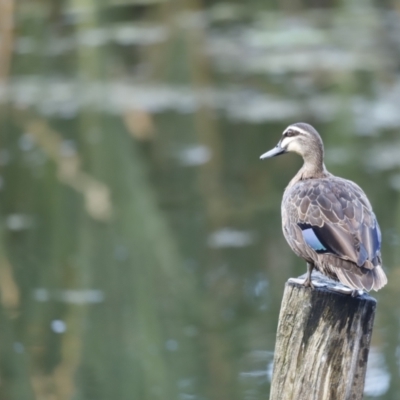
[{"x": 295, "y": 128}]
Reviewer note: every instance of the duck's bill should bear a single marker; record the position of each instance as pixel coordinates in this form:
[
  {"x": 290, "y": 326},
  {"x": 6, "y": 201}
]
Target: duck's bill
[{"x": 276, "y": 151}]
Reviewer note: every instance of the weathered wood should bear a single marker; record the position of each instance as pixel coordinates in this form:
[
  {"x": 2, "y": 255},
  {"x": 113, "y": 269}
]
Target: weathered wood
[{"x": 322, "y": 343}]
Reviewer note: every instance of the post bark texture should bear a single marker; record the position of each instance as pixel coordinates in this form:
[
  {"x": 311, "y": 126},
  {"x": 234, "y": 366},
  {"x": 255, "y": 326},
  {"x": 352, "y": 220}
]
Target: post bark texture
[{"x": 322, "y": 344}]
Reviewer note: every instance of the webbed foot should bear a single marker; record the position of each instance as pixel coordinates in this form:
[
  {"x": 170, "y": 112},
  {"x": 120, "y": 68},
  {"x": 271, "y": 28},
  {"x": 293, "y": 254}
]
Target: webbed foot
[{"x": 308, "y": 282}]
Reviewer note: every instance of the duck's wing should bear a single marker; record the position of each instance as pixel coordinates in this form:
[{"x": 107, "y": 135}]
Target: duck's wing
[{"x": 336, "y": 219}]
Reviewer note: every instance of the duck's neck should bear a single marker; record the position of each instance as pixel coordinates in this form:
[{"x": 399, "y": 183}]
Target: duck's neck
[{"x": 313, "y": 168}]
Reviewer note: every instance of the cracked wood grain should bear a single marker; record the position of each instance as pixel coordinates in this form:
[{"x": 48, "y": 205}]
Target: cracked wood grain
[{"x": 322, "y": 345}]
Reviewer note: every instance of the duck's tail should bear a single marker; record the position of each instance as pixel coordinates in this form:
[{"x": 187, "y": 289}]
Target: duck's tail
[{"x": 362, "y": 278}]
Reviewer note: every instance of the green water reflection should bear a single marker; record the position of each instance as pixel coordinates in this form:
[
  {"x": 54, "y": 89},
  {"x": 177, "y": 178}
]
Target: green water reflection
[{"x": 141, "y": 253}]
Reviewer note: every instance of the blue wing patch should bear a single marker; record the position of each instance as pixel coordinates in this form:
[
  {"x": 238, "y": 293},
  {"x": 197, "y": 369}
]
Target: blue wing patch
[
  {"x": 312, "y": 239},
  {"x": 377, "y": 238}
]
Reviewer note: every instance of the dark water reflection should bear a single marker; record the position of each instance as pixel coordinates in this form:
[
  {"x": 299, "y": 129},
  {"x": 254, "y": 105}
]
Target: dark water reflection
[{"x": 141, "y": 254}]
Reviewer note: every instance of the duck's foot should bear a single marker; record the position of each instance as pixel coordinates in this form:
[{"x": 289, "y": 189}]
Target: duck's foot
[
  {"x": 335, "y": 288},
  {"x": 307, "y": 283},
  {"x": 322, "y": 281}
]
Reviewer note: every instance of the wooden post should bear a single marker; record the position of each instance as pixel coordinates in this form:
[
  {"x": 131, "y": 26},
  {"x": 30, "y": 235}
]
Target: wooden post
[{"x": 322, "y": 342}]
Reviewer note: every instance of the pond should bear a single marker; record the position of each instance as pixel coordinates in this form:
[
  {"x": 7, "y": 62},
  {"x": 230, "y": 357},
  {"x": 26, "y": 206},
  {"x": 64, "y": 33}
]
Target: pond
[{"x": 141, "y": 251}]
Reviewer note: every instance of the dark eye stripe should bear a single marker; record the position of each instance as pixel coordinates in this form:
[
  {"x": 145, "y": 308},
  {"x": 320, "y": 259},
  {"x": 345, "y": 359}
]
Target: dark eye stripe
[{"x": 291, "y": 133}]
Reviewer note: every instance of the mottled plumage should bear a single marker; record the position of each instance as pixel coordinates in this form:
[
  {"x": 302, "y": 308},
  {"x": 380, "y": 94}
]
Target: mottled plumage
[{"x": 328, "y": 221}]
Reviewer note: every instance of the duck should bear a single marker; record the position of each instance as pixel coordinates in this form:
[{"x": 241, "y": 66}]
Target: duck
[{"x": 328, "y": 221}]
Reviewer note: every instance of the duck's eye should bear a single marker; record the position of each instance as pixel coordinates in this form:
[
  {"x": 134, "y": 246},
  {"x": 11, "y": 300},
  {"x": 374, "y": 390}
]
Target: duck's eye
[{"x": 290, "y": 133}]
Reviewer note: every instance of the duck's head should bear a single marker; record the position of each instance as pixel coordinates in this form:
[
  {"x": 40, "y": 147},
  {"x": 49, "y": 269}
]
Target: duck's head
[{"x": 298, "y": 138}]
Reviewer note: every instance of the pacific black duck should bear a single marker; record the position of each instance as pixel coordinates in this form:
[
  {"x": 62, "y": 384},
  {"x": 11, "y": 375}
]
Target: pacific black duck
[{"x": 328, "y": 221}]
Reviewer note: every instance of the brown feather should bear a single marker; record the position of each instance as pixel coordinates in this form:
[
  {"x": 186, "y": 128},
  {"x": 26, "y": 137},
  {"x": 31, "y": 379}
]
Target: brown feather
[{"x": 335, "y": 206}]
